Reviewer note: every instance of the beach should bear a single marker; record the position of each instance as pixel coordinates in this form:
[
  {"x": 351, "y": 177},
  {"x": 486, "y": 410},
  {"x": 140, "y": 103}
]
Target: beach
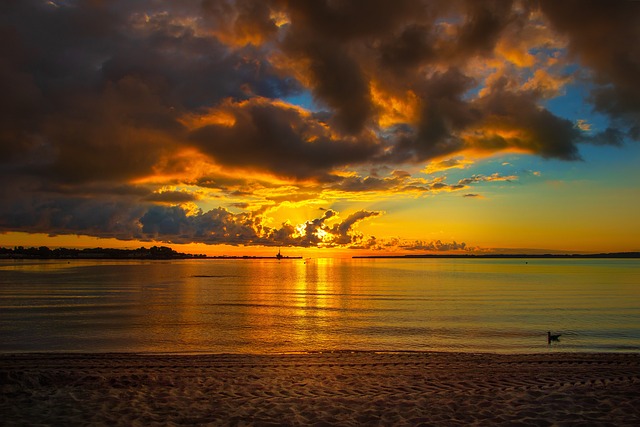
[{"x": 325, "y": 388}]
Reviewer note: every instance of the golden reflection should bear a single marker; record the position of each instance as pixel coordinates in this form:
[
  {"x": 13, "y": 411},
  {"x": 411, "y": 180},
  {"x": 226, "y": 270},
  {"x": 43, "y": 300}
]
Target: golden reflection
[
  {"x": 299, "y": 305},
  {"x": 190, "y": 317},
  {"x": 328, "y": 306},
  {"x": 311, "y": 310},
  {"x": 164, "y": 306},
  {"x": 316, "y": 304}
]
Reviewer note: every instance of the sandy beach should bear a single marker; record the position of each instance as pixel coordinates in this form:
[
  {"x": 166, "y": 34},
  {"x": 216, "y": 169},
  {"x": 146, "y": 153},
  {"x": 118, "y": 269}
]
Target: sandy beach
[{"x": 343, "y": 388}]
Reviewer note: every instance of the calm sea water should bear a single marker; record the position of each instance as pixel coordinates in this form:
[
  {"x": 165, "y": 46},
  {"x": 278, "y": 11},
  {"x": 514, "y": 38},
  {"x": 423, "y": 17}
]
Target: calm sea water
[{"x": 264, "y": 306}]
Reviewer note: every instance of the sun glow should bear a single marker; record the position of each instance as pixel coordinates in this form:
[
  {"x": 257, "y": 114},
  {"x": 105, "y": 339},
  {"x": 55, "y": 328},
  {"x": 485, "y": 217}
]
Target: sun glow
[{"x": 323, "y": 236}]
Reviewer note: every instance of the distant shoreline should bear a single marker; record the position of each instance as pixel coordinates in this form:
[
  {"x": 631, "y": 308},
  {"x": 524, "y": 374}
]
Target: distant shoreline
[
  {"x": 618, "y": 255},
  {"x": 153, "y": 253},
  {"x": 165, "y": 253},
  {"x": 251, "y": 257}
]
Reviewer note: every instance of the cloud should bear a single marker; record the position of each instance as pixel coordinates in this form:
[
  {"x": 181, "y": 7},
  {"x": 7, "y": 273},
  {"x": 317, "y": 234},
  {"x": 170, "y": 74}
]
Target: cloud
[
  {"x": 280, "y": 139},
  {"x": 440, "y": 120},
  {"x": 172, "y": 197},
  {"x": 139, "y": 69},
  {"x": 453, "y": 163},
  {"x": 402, "y": 183},
  {"x": 344, "y": 233},
  {"x": 609, "y": 136},
  {"x": 111, "y": 109},
  {"x": 174, "y": 225},
  {"x": 434, "y": 245},
  {"x": 105, "y": 105},
  {"x": 108, "y": 217},
  {"x": 490, "y": 178},
  {"x": 484, "y": 23},
  {"x": 599, "y": 37},
  {"x": 583, "y": 125},
  {"x": 130, "y": 218},
  {"x": 514, "y": 120},
  {"x": 403, "y": 245},
  {"x": 545, "y": 84}
]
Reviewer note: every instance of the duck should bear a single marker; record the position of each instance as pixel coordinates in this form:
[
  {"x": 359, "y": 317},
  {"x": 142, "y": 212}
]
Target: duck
[{"x": 552, "y": 337}]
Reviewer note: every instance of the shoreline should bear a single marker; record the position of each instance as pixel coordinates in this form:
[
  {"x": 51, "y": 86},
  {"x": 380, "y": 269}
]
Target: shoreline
[
  {"x": 323, "y": 388},
  {"x": 612, "y": 255}
]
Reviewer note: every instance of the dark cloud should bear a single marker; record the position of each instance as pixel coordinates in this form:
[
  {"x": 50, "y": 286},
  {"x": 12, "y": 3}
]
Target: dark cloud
[
  {"x": 352, "y": 20},
  {"x": 413, "y": 47},
  {"x": 434, "y": 245},
  {"x": 398, "y": 183},
  {"x": 447, "y": 115},
  {"x": 171, "y": 197},
  {"x": 444, "y": 114},
  {"x": 95, "y": 89},
  {"x": 127, "y": 218},
  {"x": 395, "y": 244},
  {"x": 343, "y": 231},
  {"x": 280, "y": 140},
  {"x": 538, "y": 130},
  {"x": 120, "y": 134},
  {"x": 340, "y": 83},
  {"x": 440, "y": 186},
  {"x": 609, "y": 136},
  {"x": 52, "y": 214},
  {"x": 331, "y": 37},
  {"x": 485, "y": 20},
  {"x": 369, "y": 183},
  {"x": 247, "y": 20},
  {"x": 601, "y": 35},
  {"x": 173, "y": 225}
]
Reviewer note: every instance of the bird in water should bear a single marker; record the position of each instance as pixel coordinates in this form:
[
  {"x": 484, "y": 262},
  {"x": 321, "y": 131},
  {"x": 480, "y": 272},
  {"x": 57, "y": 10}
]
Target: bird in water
[{"x": 552, "y": 337}]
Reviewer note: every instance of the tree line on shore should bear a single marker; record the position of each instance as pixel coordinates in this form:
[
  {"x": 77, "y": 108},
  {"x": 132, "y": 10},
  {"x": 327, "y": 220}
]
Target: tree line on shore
[{"x": 44, "y": 252}]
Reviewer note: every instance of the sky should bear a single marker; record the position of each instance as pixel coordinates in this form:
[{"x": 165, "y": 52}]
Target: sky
[{"x": 324, "y": 127}]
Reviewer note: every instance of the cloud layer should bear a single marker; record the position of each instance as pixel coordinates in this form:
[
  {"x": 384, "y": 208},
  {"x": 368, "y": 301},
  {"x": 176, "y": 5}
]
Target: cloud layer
[{"x": 119, "y": 119}]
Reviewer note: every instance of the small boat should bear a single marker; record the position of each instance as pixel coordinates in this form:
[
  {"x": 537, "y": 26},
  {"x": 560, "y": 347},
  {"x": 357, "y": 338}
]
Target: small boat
[{"x": 279, "y": 256}]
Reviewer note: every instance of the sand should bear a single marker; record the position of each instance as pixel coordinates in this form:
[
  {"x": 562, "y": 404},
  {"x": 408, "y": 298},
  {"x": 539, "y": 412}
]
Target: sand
[{"x": 343, "y": 388}]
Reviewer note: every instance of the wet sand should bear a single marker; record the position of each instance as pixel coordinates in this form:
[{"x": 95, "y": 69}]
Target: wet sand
[{"x": 342, "y": 388}]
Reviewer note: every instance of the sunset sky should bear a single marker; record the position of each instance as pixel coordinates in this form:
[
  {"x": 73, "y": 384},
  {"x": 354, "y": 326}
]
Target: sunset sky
[{"x": 321, "y": 126}]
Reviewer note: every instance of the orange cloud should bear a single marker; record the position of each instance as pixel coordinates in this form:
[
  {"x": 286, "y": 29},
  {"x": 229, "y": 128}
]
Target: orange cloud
[
  {"x": 394, "y": 108},
  {"x": 214, "y": 116},
  {"x": 546, "y": 84},
  {"x": 583, "y": 125},
  {"x": 452, "y": 163}
]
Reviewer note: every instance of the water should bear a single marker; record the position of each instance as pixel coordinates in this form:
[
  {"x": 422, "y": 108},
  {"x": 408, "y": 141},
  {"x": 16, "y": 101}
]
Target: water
[{"x": 265, "y": 306}]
